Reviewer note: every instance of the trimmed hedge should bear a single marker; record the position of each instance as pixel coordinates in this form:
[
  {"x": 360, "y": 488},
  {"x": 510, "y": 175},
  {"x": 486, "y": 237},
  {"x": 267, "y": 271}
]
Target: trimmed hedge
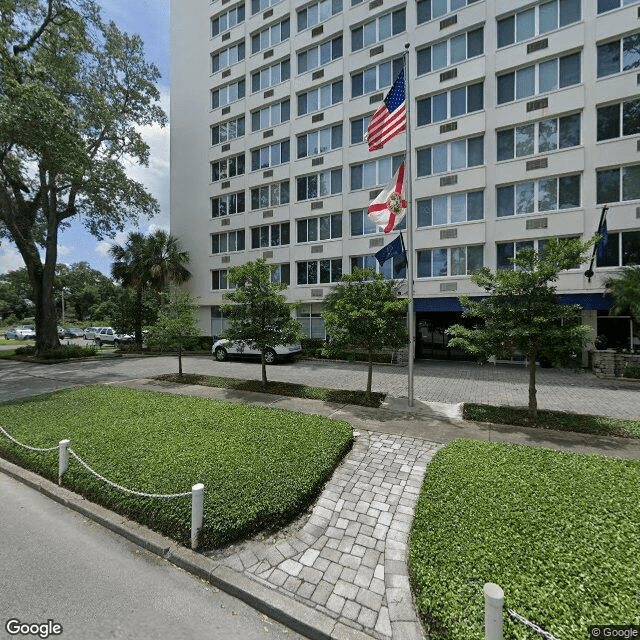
[
  {"x": 557, "y": 531},
  {"x": 261, "y": 467},
  {"x": 63, "y": 352}
]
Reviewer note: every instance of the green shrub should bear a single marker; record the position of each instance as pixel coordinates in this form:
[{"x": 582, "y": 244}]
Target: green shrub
[
  {"x": 631, "y": 370},
  {"x": 64, "y": 352},
  {"x": 261, "y": 467},
  {"x": 557, "y": 531}
]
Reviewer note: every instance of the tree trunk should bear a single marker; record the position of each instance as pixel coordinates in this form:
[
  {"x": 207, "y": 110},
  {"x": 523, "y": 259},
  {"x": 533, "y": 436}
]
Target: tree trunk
[
  {"x": 264, "y": 371},
  {"x": 180, "y": 361},
  {"x": 533, "y": 403},
  {"x": 370, "y": 374}
]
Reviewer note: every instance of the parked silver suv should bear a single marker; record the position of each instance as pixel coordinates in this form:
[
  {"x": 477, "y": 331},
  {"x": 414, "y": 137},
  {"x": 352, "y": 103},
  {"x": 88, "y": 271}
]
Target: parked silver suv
[{"x": 106, "y": 335}]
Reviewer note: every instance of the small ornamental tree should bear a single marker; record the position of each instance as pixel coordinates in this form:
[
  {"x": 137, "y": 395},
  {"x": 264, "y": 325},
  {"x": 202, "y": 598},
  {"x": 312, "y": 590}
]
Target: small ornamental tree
[
  {"x": 259, "y": 315},
  {"x": 176, "y": 326},
  {"x": 522, "y": 311},
  {"x": 363, "y": 312},
  {"x": 624, "y": 288}
]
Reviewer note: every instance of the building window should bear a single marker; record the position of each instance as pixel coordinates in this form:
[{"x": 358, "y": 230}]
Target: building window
[
  {"x": 539, "y": 137},
  {"x": 317, "y": 185},
  {"x": 365, "y": 175},
  {"x": 227, "y": 168},
  {"x": 219, "y": 280},
  {"x": 432, "y": 9},
  {"x": 271, "y": 115},
  {"x": 271, "y": 195},
  {"x": 619, "y": 55},
  {"x": 455, "y": 261},
  {"x": 319, "y": 98},
  {"x": 226, "y": 242},
  {"x": 359, "y": 128},
  {"x": 451, "y": 156},
  {"x": 609, "y": 5},
  {"x": 393, "y": 269},
  {"x": 227, "y": 205},
  {"x": 226, "y": 131},
  {"x": 449, "y": 52},
  {"x": 317, "y": 12},
  {"x": 271, "y": 155},
  {"x": 223, "y": 96},
  {"x": 218, "y": 322},
  {"x": 282, "y": 273},
  {"x": 270, "y": 76},
  {"x": 622, "y": 250},
  {"x": 320, "y": 55},
  {"x": 226, "y": 57},
  {"x": 374, "y": 78},
  {"x": 319, "y": 271},
  {"x": 380, "y": 28},
  {"x": 270, "y": 235},
  {"x": 451, "y": 104},
  {"x": 227, "y": 20},
  {"x": 320, "y": 141},
  {"x": 621, "y": 119},
  {"x": 451, "y": 209},
  {"x": 310, "y": 318},
  {"x": 619, "y": 184},
  {"x": 361, "y": 224},
  {"x": 259, "y": 5},
  {"x": 506, "y": 251},
  {"x": 270, "y": 36},
  {"x": 539, "y": 78},
  {"x": 539, "y": 196},
  {"x": 538, "y": 20},
  {"x": 322, "y": 228}
]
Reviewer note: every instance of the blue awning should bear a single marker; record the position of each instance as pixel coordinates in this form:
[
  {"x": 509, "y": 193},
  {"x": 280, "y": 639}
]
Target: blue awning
[{"x": 585, "y": 300}]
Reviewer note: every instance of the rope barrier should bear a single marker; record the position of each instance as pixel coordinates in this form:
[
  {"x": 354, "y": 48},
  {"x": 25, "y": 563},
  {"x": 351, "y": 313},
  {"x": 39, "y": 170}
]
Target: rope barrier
[
  {"x": 26, "y": 446},
  {"x": 531, "y": 625}
]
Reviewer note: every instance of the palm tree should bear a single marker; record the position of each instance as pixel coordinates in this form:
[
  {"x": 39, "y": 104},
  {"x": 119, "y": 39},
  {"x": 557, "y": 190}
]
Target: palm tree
[
  {"x": 624, "y": 288},
  {"x": 148, "y": 262}
]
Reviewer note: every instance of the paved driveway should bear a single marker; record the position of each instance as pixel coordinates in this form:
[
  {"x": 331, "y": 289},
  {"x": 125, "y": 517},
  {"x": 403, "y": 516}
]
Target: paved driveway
[{"x": 434, "y": 380}]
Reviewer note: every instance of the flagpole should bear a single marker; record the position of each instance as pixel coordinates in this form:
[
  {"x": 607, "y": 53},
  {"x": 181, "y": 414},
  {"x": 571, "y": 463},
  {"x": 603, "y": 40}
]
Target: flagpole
[{"x": 410, "y": 310}]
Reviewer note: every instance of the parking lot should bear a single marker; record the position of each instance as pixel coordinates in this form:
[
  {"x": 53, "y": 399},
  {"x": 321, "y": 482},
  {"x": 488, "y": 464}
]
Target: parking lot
[{"x": 435, "y": 381}]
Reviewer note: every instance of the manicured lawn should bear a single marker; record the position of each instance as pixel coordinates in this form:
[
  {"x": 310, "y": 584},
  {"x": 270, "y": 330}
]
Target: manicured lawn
[
  {"x": 339, "y": 396},
  {"x": 557, "y": 531},
  {"x": 559, "y": 420},
  {"x": 261, "y": 467}
]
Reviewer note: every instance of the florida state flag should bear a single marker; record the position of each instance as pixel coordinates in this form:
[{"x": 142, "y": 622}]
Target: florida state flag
[{"x": 388, "y": 209}]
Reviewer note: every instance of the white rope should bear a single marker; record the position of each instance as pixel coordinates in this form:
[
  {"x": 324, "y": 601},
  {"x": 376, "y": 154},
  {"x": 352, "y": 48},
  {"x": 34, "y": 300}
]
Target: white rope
[
  {"x": 531, "y": 625},
  {"x": 131, "y": 491},
  {"x": 25, "y": 445}
]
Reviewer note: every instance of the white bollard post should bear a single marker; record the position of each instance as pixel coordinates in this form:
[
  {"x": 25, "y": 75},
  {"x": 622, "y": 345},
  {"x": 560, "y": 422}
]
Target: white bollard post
[
  {"x": 197, "y": 503},
  {"x": 493, "y": 603},
  {"x": 63, "y": 458}
]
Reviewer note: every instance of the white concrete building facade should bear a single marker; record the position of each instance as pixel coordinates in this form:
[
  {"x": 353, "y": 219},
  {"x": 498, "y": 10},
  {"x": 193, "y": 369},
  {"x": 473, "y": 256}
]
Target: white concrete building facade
[{"x": 525, "y": 120}]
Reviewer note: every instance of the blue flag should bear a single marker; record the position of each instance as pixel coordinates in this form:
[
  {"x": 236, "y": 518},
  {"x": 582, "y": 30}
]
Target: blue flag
[
  {"x": 392, "y": 250},
  {"x": 602, "y": 243}
]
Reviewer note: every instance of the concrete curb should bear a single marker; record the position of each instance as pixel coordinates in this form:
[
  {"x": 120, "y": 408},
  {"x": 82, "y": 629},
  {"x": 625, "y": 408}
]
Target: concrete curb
[{"x": 291, "y": 613}]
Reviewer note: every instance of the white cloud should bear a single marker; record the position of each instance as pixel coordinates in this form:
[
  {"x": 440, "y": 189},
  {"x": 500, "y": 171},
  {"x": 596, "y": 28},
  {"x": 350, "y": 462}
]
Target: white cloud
[
  {"x": 10, "y": 259},
  {"x": 63, "y": 250},
  {"x": 102, "y": 248}
]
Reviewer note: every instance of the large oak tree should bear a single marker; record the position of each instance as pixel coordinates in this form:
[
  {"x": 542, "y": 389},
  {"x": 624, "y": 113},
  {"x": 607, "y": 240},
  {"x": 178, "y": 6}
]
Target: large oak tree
[{"x": 74, "y": 93}]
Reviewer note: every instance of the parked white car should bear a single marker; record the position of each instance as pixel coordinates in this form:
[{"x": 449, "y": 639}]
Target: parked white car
[
  {"x": 90, "y": 332},
  {"x": 222, "y": 349},
  {"x": 107, "y": 335},
  {"x": 25, "y": 332}
]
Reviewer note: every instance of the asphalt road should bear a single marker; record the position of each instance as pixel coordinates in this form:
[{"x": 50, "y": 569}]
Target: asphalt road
[{"x": 57, "y": 565}]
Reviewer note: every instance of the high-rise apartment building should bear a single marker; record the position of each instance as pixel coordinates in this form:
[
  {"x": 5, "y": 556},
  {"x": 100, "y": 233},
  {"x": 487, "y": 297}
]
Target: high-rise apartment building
[{"x": 525, "y": 120}]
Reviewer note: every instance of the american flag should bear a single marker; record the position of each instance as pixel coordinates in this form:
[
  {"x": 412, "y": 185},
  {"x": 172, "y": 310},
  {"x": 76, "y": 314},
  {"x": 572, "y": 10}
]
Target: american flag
[{"x": 390, "y": 118}]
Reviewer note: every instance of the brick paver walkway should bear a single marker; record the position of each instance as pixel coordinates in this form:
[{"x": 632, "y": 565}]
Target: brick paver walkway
[{"x": 349, "y": 559}]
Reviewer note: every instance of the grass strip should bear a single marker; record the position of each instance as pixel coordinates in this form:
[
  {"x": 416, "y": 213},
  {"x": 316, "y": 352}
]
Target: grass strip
[
  {"x": 558, "y": 420},
  {"x": 261, "y": 467},
  {"x": 290, "y": 389},
  {"x": 557, "y": 531}
]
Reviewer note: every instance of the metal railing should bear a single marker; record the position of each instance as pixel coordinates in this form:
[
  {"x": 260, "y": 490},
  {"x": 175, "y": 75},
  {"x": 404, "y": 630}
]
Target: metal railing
[{"x": 64, "y": 450}]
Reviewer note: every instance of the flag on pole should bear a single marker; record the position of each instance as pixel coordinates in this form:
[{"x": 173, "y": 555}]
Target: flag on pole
[
  {"x": 602, "y": 243},
  {"x": 389, "y": 208},
  {"x": 391, "y": 117},
  {"x": 392, "y": 250}
]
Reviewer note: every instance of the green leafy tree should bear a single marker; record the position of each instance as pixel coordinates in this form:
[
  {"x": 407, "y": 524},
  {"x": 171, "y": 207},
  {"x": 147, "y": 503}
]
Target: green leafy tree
[
  {"x": 522, "y": 311},
  {"x": 122, "y": 313},
  {"x": 83, "y": 286},
  {"x": 363, "y": 312},
  {"x": 74, "y": 94},
  {"x": 148, "y": 263},
  {"x": 16, "y": 294},
  {"x": 176, "y": 326},
  {"x": 624, "y": 288},
  {"x": 259, "y": 315}
]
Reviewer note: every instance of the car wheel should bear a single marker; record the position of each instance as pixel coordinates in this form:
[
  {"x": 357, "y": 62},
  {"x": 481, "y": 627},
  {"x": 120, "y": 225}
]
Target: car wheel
[
  {"x": 270, "y": 356},
  {"x": 221, "y": 354},
  {"x": 98, "y": 343}
]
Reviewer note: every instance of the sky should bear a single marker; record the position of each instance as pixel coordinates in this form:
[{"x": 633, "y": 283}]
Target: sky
[{"x": 150, "y": 19}]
